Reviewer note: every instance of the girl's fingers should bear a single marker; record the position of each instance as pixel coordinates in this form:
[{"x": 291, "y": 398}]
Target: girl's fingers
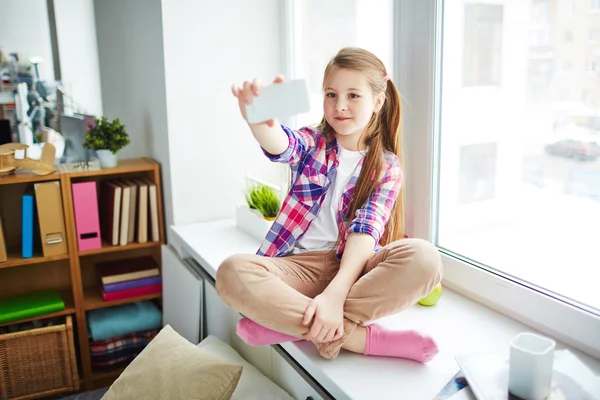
[
  {"x": 315, "y": 329},
  {"x": 271, "y": 123},
  {"x": 235, "y": 89},
  {"x": 279, "y": 79},
  {"x": 339, "y": 333},
  {"x": 309, "y": 313},
  {"x": 330, "y": 336},
  {"x": 256, "y": 86},
  {"x": 247, "y": 92},
  {"x": 321, "y": 335}
]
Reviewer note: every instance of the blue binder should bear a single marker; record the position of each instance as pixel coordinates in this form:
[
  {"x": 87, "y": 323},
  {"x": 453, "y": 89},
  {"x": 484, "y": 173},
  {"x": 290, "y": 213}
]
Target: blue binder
[{"x": 27, "y": 215}]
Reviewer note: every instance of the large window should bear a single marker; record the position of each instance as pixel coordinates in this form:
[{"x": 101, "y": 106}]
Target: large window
[
  {"x": 519, "y": 167},
  {"x": 501, "y": 122},
  {"x": 321, "y": 28}
]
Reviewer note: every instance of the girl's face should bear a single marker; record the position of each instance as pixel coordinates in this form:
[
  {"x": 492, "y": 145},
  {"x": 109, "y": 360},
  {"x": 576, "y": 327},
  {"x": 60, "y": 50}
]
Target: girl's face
[{"x": 349, "y": 103}]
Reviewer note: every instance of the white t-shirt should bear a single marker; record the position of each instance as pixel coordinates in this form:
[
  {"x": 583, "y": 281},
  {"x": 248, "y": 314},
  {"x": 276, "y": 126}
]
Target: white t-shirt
[{"x": 323, "y": 231}]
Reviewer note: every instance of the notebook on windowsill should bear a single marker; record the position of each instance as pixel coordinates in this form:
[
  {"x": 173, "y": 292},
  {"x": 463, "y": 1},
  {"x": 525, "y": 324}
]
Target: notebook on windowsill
[{"x": 487, "y": 376}]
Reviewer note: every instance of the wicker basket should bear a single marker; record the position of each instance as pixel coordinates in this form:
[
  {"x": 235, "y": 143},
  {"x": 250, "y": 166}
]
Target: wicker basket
[{"x": 38, "y": 362}]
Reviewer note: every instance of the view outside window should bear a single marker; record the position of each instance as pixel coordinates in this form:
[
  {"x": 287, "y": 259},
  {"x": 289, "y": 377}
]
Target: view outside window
[{"x": 519, "y": 183}]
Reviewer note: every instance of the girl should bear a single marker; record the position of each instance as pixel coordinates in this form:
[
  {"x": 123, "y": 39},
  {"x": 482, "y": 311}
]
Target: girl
[{"x": 335, "y": 256}]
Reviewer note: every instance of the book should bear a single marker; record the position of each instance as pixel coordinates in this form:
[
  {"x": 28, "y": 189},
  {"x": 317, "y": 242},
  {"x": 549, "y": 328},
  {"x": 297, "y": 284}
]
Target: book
[
  {"x": 27, "y": 220},
  {"x": 142, "y": 211},
  {"x": 110, "y": 204},
  {"x": 30, "y": 305},
  {"x": 127, "y": 270},
  {"x": 136, "y": 283},
  {"x": 128, "y": 293},
  {"x": 487, "y": 376},
  {"x": 132, "y": 209},
  {"x": 153, "y": 211},
  {"x": 3, "y": 252},
  {"x": 125, "y": 207}
]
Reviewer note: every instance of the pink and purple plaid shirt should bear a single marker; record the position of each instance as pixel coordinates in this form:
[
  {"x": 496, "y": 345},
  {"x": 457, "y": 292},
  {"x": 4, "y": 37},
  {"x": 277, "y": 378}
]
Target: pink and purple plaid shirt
[{"x": 313, "y": 162}]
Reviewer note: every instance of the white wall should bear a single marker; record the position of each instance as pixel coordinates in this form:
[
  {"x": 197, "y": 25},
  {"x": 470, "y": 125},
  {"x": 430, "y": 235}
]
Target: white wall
[
  {"x": 208, "y": 46},
  {"x": 24, "y": 29},
  {"x": 130, "y": 49},
  {"x": 78, "y": 53}
]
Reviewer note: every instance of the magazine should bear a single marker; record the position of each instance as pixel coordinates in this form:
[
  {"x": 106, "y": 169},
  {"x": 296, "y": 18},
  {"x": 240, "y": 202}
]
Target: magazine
[
  {"x": 456, "y": 384},
  {"x": 487, "y": 377}
]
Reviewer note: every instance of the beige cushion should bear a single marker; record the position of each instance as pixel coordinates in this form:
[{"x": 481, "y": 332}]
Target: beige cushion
[{"x": 171, "y": 367}]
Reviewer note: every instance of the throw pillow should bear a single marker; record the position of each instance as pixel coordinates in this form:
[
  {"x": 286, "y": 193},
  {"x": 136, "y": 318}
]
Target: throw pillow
[{"x": 171, "y": 367}]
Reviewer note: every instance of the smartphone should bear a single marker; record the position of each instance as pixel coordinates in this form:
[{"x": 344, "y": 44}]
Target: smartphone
[{"x": 279, "y": 101}]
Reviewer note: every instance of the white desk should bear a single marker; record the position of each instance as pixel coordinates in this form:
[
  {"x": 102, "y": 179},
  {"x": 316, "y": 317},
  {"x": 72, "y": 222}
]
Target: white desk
[{"x": 458, "y": 324}]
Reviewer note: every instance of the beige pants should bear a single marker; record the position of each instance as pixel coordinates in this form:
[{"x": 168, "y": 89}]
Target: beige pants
[{"x": 275, "y": 291}]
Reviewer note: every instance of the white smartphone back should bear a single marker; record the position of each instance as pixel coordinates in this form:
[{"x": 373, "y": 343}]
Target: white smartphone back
[{"x": 279, "y": 101}]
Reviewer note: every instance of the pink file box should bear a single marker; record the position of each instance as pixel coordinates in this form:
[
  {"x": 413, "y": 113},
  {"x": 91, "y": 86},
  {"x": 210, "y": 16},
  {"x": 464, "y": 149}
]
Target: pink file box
[{"x": 87, "y": 220}]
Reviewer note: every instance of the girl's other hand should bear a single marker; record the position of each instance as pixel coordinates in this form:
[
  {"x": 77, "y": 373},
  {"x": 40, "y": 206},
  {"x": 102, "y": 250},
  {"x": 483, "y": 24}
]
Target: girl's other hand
[
  {"x": 248, "y": 91},
  {"x": 328, "y": 323}
]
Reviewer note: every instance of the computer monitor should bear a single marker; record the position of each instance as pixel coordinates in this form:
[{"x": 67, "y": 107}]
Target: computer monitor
[
  {"x": 73, "y": 130},
  {"x": 5, "y": 133}
]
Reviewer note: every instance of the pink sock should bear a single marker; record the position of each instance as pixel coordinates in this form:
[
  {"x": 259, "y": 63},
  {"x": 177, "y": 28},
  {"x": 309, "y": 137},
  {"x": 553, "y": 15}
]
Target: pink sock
[
  {"x": 403, "y": 344},
  {"x": 257, "y": 335}
]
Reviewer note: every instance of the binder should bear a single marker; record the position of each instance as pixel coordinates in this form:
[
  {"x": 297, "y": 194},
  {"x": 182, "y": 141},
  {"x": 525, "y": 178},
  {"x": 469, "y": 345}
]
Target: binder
[
  {"x": 110, "y": 196},
  {"x": 27, "y": 223},
  {"x": 87, "y": 221},
  {"x": 3, "y": 253},
  {"x": 125, "y": 207},
  {"x": 142, "y": 226},
  {"x": 51, "y": 218},
  {"x": 132, "y": 209},
  {"x": 153, "y": 202}
]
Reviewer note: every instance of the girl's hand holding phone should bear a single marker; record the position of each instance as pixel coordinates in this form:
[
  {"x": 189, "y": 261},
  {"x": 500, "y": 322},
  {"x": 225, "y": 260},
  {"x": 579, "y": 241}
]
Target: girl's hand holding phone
[{"x": 248, "y": 91}]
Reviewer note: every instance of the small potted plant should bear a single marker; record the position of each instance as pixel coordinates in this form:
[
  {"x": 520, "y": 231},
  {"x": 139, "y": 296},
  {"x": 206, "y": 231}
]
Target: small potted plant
[
  {"x": 107, "y": 138},
  {"x": 259, "y": 212},
  {"x": 264, "y": 200}
]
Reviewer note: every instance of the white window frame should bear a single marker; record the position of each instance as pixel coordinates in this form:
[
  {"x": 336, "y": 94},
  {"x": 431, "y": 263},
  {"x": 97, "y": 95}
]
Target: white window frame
[{"x": 416, "y": 24}]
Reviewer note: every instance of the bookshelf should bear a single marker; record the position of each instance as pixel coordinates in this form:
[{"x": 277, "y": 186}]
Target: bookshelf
[
  {"x": 72, "y": 274},
  {"x": 15, "y": 259}
]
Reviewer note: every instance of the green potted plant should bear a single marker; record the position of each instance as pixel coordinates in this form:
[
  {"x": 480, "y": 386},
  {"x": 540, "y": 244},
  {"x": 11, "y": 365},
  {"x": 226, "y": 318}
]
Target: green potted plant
[
  {"x": 107, "y": 138},
  {"x": 257, "y": 215},
  {"x": 264, "y": 200}
]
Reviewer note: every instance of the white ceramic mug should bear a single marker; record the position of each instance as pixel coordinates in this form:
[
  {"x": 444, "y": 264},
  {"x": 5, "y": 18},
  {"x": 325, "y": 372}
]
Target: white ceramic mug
[{"x": 530, "y": 366}]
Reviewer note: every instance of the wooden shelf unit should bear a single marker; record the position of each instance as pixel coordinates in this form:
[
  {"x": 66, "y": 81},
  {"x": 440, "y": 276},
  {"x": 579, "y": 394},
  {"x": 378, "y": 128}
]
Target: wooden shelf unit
[
  {"x": 73, "y": 274},
  {"x": 109, "y": 248},
  {"x": 15, "y": 259}
]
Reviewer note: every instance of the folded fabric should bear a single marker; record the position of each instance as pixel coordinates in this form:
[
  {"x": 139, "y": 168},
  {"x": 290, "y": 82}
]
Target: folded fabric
[
  {"x": 113, "y": 353},
  {"x": 110, "y": 322}
]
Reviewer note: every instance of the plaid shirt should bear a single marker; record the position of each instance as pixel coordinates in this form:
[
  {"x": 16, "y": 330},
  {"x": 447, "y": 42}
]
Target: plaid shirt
[{"x": 313, "y": 164}]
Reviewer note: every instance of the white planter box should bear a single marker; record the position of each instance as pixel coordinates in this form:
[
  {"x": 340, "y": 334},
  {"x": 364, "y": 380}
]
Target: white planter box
[{"x": 252, "y": 222}]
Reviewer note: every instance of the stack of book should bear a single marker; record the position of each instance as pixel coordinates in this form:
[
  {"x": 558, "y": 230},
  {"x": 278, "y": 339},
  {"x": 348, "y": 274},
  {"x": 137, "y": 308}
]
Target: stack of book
[
  {"x": 129, "y": 211},
  {"x": 129, "y": 278}
]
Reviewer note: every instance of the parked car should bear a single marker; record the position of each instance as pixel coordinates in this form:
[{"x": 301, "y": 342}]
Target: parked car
[{"x": 577, "y": 149}]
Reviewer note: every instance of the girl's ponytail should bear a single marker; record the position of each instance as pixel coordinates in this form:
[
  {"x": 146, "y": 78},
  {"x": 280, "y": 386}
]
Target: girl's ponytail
[{"x": 391, "y": 118}]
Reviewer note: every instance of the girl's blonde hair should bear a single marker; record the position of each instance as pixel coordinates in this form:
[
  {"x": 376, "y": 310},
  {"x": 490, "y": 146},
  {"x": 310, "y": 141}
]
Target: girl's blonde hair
[{"x": 381, "y": 134}]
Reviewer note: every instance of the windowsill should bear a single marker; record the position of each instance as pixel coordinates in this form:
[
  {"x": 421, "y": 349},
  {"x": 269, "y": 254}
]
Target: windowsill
[{"x": 459, "y": 325}]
